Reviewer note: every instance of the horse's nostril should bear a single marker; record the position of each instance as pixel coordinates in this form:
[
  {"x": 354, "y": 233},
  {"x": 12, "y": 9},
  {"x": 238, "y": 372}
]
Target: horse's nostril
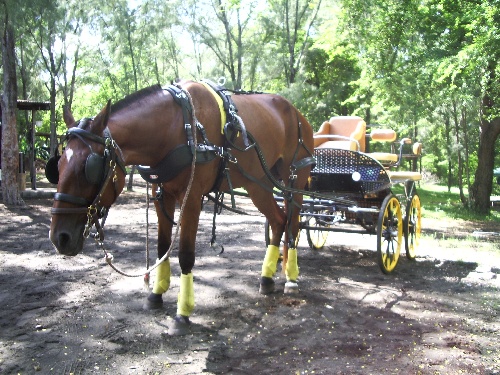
[{"x": 64, "y": 239}]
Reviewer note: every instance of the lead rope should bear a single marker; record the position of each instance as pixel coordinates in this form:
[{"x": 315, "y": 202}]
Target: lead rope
[
  {"x": 146, "y": 275},
  {"x": 109, "y": 258}
]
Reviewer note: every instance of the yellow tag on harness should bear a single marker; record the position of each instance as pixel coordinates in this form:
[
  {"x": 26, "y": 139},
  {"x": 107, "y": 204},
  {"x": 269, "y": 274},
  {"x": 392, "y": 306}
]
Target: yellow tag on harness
[{"x": 219, "y": 103}]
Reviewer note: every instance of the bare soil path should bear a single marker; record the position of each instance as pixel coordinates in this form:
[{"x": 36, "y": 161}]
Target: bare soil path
[{"x": 61, "y": 315}]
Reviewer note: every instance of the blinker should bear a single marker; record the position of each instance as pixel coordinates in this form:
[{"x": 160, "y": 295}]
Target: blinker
[
  {"x": 94, "y": 168},
  {"x": 51, "y": 169}
]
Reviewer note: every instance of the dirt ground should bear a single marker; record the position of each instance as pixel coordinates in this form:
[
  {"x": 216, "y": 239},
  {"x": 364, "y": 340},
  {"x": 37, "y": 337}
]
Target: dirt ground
[{"x": 59, "y": 315}]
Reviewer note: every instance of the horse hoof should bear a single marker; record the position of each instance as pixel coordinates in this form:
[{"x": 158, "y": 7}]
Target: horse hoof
[
  {"x": 291, "y": 287},
  {"x": 153, "y": 302},
  {"x": 266, "y": 285},
  {"x": 180, "y": 326}
]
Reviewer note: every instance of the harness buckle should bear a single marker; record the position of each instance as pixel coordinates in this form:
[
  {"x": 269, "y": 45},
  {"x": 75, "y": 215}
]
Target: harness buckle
[
  {"x": 91, "y": 213},
  {"x": 225, "y": 154}
]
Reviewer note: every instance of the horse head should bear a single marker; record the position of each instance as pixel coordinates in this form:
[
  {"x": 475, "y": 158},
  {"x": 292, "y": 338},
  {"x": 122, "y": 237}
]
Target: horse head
[{"x": 90, "y": 175}]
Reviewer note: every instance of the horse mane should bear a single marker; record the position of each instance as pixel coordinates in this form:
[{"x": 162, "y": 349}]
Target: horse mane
[{"x": 132, "y": 98}]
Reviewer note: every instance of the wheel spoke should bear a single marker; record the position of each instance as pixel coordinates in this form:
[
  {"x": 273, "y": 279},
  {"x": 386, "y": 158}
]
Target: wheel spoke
[{"x": 317, "y": 237}]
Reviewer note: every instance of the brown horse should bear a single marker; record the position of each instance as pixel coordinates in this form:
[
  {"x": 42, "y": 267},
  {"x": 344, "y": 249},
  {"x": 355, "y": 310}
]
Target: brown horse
[{"x": 149, "y": 128}]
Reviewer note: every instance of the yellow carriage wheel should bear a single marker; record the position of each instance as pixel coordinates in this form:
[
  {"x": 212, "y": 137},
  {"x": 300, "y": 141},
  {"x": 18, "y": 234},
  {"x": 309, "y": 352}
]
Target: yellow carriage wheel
[
  {"x": 389, "y": 234},
  {"x": 413, "y": 226},
  {"x": 316, "y": 238}
]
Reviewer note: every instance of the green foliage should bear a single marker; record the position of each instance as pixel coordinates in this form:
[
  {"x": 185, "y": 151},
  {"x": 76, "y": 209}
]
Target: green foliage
[
  {"x": 427, "y": 69},
  {"x": 438, "y": 203}
]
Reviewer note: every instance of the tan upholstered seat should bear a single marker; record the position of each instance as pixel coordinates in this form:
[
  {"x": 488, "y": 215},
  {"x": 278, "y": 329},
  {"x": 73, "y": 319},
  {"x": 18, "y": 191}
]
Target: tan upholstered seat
[
  {"x": 384, "y": 135},
  {"x": 384, "y": 156},
  {"x": 344, "y": 132}
]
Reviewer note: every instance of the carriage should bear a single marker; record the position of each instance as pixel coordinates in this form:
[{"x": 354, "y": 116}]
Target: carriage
[{"x": 355, "y": 190}]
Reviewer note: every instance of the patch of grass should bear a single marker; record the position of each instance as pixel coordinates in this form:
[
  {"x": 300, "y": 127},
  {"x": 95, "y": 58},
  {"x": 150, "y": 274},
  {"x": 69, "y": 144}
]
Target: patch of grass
[{"x": 438, "y": 203}]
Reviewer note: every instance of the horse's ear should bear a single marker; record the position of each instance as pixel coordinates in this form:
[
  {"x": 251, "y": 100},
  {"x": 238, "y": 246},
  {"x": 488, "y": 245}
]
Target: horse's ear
[
  {"x": 107, "y": 111},
  {"x": 68, "y": 117},
  {"x": 101, "y": 120}
]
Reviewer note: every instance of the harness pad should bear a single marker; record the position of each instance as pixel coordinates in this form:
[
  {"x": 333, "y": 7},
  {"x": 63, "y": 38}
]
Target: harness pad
[
  {"x": 174, "y": 162},
  {"x": 220, "y": 103}
]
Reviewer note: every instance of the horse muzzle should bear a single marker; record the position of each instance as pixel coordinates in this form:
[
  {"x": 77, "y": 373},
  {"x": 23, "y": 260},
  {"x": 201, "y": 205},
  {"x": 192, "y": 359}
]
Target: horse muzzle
[{"x": 67, "y": 242}]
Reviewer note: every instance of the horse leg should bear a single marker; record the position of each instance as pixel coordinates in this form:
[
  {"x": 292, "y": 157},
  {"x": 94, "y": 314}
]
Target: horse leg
[
  {"x": 266, "y": 204},
  {"x": 185, "y": 300},
  {"x": 290, "y": 259},
  {"x": 165, "y": 208}
]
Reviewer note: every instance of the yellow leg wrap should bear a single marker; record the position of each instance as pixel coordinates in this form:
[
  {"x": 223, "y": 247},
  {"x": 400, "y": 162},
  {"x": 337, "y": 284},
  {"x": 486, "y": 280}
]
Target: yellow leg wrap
[
  {"x": 270, "y": 261},
  {"x": 185, "y": 301},
  {"x": 292, "y": 266},
  {"x": 162, "y": 282}
]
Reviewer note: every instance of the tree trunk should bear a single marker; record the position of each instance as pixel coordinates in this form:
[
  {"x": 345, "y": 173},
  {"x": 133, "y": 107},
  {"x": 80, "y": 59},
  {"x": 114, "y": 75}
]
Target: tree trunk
[
  {"x": 293, "y": 24},
  {"x": 460, "y": 168},
  {"x": 130, "y": 184},
  {"x": 69, "y": 87},
  {"x": 290, "y": 42},
  {"x": 466, "y": 146},
  {"x": 479, "y": 195},
  {"x": 10, "y": 147},
  {"x": 53, "y": 122},
  {"x": 222, "y": 15},
  {"x": 480, "y": 192},
  {"x": 448, "y": 151}
]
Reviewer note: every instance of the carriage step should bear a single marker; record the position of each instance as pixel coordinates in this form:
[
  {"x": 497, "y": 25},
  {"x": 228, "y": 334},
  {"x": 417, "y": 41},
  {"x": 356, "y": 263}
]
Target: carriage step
[{"x": 404, "y": 176}]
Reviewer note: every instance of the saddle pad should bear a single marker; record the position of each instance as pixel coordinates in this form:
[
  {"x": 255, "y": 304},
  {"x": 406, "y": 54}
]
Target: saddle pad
[{"x": 219, "y": 103}]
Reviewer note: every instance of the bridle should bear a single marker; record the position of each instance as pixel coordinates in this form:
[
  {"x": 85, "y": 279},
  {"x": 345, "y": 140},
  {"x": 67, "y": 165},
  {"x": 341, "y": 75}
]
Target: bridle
[{"x": 99, "y": 170}]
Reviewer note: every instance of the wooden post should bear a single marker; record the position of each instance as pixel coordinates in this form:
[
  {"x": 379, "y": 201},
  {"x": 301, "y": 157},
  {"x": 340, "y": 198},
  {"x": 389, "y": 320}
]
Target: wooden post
[{"x": 32, "y": 151}]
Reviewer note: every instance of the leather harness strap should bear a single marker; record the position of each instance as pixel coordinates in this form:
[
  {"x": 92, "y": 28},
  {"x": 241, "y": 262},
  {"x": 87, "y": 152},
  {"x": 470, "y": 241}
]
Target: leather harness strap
[
  {"x": 94, "y": 210},
  {"x": 181, "y": 157}
]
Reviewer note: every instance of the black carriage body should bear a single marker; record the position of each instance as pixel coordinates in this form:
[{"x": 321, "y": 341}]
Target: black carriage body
[
  {"x": 350, "y": 175},
  {"x": 349, "y": 172}
]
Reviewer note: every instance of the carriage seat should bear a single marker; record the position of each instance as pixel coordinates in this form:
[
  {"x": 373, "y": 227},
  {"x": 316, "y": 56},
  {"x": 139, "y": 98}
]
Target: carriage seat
[
  {"x": 384, "y": 135},
  {"x": 343, "y": 132},
  {"x": 394, "y": 158},
  {"x": 402, "y": 176}
]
